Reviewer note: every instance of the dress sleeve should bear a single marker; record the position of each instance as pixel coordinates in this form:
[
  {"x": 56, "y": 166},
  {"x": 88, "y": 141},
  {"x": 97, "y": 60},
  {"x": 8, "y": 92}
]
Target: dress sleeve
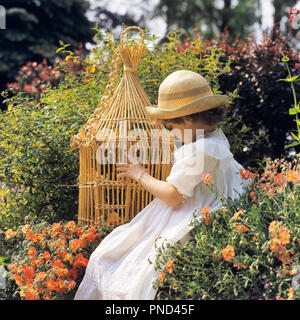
[{"x": 193, "y": 160}]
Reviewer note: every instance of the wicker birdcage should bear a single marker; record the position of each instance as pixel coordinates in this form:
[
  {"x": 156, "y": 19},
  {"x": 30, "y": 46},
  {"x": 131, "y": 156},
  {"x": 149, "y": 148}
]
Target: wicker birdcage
[{"x": 119, "y": 128}]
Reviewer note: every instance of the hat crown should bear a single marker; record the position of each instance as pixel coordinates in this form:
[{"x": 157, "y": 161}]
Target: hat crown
[
  {"x": 184, "y": 92},
  {"x": 181, "y": 81}
]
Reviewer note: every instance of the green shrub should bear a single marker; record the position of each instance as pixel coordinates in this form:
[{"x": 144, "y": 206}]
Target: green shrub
[
  {"x": 35, "y": 136},
  {"x": 263, "y": 102},
  {"x": 247, "y": 249}
]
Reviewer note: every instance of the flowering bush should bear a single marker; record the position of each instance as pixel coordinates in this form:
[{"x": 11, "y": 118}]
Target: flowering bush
[
  {"x": 295, "y": 110},
  {"x": 247, "y": 249},
  {"x": 33, "y": 78},
  {"x": 48, "y": 261},
  {"x": 254, "y": 71}
]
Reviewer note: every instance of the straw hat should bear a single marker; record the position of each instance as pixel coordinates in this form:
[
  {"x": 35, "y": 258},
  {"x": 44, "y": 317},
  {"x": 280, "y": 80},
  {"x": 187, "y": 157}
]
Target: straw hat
[{"x": 182, "y": 93}]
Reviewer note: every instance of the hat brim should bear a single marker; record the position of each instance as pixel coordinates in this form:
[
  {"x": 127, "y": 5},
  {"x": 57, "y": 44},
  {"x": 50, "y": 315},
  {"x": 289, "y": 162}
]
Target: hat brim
[{"x": 199, "y": 105}]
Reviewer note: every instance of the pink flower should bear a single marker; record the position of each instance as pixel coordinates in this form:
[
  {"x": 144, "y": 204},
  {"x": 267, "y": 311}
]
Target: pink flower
[{"x": 207, "y": 178}]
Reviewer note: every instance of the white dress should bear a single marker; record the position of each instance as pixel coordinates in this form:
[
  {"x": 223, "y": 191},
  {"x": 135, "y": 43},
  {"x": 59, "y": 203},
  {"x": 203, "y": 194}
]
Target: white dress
[{"x": 119, "y": 269}]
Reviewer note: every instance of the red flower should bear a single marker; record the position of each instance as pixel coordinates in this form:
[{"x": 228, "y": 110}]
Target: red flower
[
  {"x": 80, "y": 261},
  {"x": 28, "y": 274},
  {"x": 246, "y": 174}
]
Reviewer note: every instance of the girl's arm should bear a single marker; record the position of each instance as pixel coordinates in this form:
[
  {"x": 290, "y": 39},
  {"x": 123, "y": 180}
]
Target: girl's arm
[
  {"x": 160, "y": 189},
  {"x": 164, "y": 190}
]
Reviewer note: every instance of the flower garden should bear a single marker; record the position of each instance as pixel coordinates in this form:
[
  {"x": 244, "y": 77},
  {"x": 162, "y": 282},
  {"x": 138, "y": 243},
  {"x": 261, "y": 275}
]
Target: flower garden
[{"x": 246, "y": 250}]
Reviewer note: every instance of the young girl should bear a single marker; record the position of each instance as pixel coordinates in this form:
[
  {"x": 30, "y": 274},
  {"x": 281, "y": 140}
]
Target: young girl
[{"x": 120, "y": 266}]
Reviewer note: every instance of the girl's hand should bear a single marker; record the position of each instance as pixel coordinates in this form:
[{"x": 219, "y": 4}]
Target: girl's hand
[{"x": 132, "y": 170}]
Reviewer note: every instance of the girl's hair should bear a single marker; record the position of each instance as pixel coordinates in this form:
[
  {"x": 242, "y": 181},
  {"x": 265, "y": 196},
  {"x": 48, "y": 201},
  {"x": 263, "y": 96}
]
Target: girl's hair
[{"x": 211, "y": 117}]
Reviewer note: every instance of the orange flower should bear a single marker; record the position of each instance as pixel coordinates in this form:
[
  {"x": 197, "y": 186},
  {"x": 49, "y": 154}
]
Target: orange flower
[
  {"x": 30, "y": 235},
  {"x": 18, "y": 279},
  {"x": 29, "y": 293},
  {"x": 246, "y": 174},
  {"x": 61, "y": 272},
  {"x": 56, "y": 263},
  {"x": 162, "y": 277},
  {"x": 208, "y": 219},
  {"x": 78, "y": 231},
  {"x": 75, "y": 244},
  {"x": 71, "y": 284},
  {"x": 284, "y": 236},
  {"x": 291, "y": 294},
  {"x": 273, "y": 227},
  {"x": 228, "y": 252},
  {"x": 56, "y": 228},
  {"x": 207, "y": 178},
  {"x": 239, "y": 265},
  {"x": 169, "y": 266},
  {"x": 279, "y": 180},
  {"x": 68, "y": 258},
  {"x": 80, "y": 261},
  {"x": 10, "y": 234},
  {"x": 73, "y": 274},
  {"x": 205, "y": 210},
  {"x": 41, "y": 276},
  {"x": 71, "y": 226},
  {"x": 28, "y": 273},
  {"x": 51, "y": 285},
  {"x": 241, "y": 228},
  {"x": 277, "y": 247},
  {"x": 285, "y": 258},
  {"x": 47, "y": 295},
  {"x": 47, "y": 255},
  {"x": 33, "y": 264},
  {"x": 60, "y": 242},
  {"x": 25, "y": 228},
  {"x": 292, "y": 176},
  {"x": 41, "y": 261},
  {"x": 13, "y": 267},
  {"x": 252, "y": 195},
  {"x": 32, "y": 252}
]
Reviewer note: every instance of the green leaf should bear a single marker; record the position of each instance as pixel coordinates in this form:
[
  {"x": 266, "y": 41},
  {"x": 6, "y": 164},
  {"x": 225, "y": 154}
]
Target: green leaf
[
  {"x": 60, "y": 49},
  {"x": 295, "y": 137},
  {"x": 293, "y": 111},
  {"x": 292, "y": 79},
  {"x": 294, "y": 144}
]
